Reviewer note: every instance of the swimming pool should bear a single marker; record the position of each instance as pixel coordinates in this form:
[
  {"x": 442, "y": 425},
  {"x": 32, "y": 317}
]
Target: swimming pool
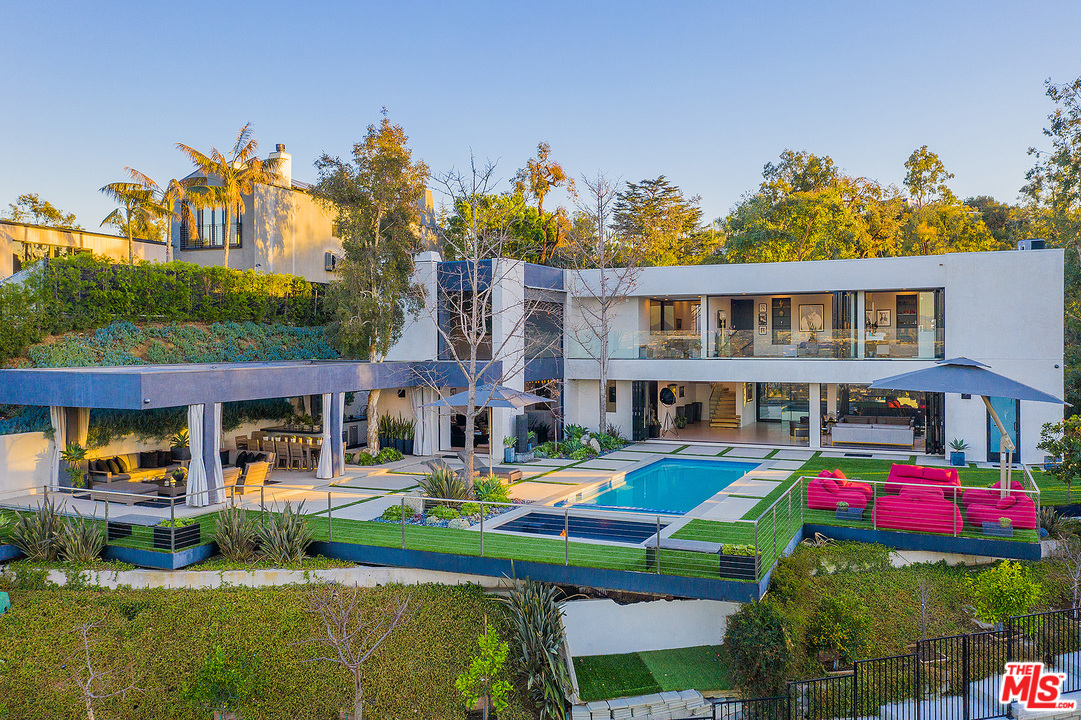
[{"x": 670, "y": 485}]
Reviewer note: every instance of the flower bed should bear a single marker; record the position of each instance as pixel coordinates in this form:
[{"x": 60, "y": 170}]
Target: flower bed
[{"x": 445, "y": 517}]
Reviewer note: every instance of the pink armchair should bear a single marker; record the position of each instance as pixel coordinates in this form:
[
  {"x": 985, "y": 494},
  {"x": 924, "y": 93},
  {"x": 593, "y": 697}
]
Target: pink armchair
[
  {"x": 1018, "y": 508},
  {"x": 988, "y": 496},
  {"x": 824, "y": 493},
  {"x": 920, "y": 509}
]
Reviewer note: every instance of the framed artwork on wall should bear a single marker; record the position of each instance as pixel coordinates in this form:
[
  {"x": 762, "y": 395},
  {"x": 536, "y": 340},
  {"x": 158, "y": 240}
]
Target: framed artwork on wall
[
  {"x": 761, "y": 329},
  {"x": 748, "y": 393},
  {"x": 811, "y": 318},
  {"x": 885, "y": 318}
]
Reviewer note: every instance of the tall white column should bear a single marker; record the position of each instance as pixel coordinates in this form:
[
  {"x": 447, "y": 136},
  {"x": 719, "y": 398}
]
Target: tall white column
[
  {"x": 861, "y": 341},
  {"x": 814, "y": 415},
  {"x": 703, "y": 325}
]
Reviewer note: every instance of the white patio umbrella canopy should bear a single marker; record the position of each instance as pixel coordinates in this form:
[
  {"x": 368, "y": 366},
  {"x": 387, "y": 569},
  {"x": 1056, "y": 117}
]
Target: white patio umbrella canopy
[{"x": 962, "y": 375}]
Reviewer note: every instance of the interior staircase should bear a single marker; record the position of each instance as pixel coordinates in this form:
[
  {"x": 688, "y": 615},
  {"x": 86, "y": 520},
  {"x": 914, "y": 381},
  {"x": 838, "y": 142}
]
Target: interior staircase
[{"x": 722, "y": 408}]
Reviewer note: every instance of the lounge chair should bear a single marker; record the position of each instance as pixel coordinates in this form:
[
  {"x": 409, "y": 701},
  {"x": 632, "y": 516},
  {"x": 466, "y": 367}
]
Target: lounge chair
[
  {"x": 253, "y": 478},
  {"x": 1019, "y": 508}
]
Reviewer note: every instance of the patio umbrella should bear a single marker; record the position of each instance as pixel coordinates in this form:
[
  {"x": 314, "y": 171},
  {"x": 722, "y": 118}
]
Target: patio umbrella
[
  {"x": 493, "y": 396},
  {"x": 961, "y": 375}
]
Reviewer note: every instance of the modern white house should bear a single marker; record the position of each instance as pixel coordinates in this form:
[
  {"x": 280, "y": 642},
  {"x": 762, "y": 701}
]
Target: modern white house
[{"x": 782, "y": 353}]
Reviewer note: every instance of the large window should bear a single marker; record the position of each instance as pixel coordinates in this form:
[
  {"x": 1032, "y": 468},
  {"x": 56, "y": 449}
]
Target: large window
[
  {"x": 544, "y": 331},
  {"x": 27, "y": 253},
  {"x": 209, "y": 230}
]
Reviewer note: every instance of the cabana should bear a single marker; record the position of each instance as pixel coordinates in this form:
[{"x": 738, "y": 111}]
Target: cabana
[{"x": 70, "y": 393}]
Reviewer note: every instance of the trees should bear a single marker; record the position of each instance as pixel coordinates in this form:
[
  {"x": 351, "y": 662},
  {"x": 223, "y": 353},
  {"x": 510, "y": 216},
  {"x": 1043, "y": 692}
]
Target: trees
[
  {"x": 350, "y": 631},
  {"x": 605, "y": 271},
  {"x": 168, "y": 203},
  {"x": 135, "y": 201},
  {"x": 655, "y": 215},
  {"x": 1062, "y": 442},
  {"x": 537, "y": 179},
  {"x": 375, "y": 198},
  {"x": 94, "y": 682},
  {"x": 480, "y": 312},
  {"x": 227, "y": 178},
  {"x": 926, "y": 178},
  {"x": 760, "y": 649},
  {"x": 31, "y": 208}
]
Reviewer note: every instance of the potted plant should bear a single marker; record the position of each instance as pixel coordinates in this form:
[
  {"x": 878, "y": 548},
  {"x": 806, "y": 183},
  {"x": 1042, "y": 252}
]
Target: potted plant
[
  {"x": 74, "y": 454},
  {"x": 508, "y": 448},
  {"x": 844, "y": 512},
  {"x": 654, "y": 426},
  {"x": 1003, "y": 528},
  {"x": 385, "y": 431},
  {"x": 481, "y": 687},
  {"x": 680, "y": 421},
  {"x": 409, "y": 431},
  {"x": 176, "y": 534},
  {"x": 177, "y": 476},
  {"x": 957, "y": 452},
  {"x": 531, "y": 440},
  {"x": 738, "y": 561},
  {"x": 178, "y": 446}
]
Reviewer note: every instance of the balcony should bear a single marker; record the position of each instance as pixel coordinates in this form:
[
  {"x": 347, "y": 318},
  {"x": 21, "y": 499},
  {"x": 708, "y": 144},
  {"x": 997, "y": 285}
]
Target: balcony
[{"x": 893, "y": 344}]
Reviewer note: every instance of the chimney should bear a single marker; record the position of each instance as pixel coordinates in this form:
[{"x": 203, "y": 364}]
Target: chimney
[{"x": 285, "y": 168}]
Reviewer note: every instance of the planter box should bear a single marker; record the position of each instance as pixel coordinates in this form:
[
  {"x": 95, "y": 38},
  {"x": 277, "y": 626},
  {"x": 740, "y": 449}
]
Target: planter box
[
  {"x": 993, "y": 529},
  {"x": 849, "y": 513},
  {"x": 508, "y": 455},
  {"x": 117, "y": 530},
  {"x": 742, "y": 567},
  {"x": 524, "y": 457},
  {"x": 180, "y": 454},
  {"x": 408, "y": 445},
  {"x": 957, "y": 459},
  {"x": 166, "y": 538}
]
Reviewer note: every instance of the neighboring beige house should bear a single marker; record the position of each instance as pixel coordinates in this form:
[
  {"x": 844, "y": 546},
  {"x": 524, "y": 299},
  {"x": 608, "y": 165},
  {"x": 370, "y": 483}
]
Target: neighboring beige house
[
  {"x": 22, "y": 244},
  {"x": 283, "y": 229}
]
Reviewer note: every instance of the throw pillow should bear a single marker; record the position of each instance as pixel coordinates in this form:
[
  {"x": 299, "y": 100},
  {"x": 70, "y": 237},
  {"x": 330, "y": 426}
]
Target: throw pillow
[
  {"x": 148, "y": 459},
  {"x": 839, "y": 475},
  {"x": 114, "y": 467},
  {"x": 122, "y": 461},
  {"x": 165, "y": 458},
  {"x": 1006, "y": 502},
  {"x": 224, "y": 455},
  {"x": 830, "y": 484},
  {"x": 242, "y": 459},
  {"x": 99, "y": 466},
  {"x": 936, "y": 475},
  {"x": 825, "y": 473}
]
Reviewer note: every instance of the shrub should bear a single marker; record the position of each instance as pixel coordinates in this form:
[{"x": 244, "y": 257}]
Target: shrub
[
  {"x": 80, "y": 541},
  {"x": 365, "y": 458},
  {"x": 235, "y": 534},
  {"x": 760, "y": 650},
  {"x": 388, "y": 455},
  {"x": 1004, "y": 590},
  {"x": 6, "y": 522},
  {"x": 537, "y": 637},
  {"x": 482, "y": 677},
  {"x": 178, "y": 523},
  {"x": 285, "y": 535},
  {"x": 221, "y": 683},
  {"x": 839, "y": 624},
  {"x": 490, "y": 489},
  {"x": 744, "y": 550},
  {"x": 397, "y": 513},
  {"x": 443, "y": 513},
  {"x": 583, "y": 453},
  {"x": 444, "y": 483},
  {"x": 470, "y": 509},
  {"x": 35, "y": 534}
]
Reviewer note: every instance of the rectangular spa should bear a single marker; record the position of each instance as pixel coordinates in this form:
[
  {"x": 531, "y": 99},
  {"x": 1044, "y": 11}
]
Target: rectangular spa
[{"x": 671, "y": 485}]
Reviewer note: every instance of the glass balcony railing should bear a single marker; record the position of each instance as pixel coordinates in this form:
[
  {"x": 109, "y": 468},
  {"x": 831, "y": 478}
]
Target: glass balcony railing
[{"x": 900, "y": 344}]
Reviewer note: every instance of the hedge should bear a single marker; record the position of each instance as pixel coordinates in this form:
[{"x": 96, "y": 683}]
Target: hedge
[
  {"x": 83, "y": 292},
  {"x": 166, "y": 634}
]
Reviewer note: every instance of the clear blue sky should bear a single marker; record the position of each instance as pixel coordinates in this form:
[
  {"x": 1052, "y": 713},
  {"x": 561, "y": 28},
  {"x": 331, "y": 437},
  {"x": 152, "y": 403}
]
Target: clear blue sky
[{"x": 705, "y": 93}]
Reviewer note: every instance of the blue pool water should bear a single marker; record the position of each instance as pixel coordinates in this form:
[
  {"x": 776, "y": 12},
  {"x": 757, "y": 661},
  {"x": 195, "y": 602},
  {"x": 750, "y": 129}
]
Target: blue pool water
[{"x": 671, "y": 485}]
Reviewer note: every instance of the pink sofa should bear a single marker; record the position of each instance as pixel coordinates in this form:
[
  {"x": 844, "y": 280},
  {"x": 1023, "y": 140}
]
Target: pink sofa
[
  {"x": 823, "y": 493},
  {"x": 921, "y": 509},
  {"x": 1018, "y": 508},
  {"x": 987, "y": 496},
  {"x": 902, "y": 475}
]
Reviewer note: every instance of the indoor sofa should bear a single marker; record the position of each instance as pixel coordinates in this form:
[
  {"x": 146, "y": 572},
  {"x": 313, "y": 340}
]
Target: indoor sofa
[
  {"x": 919, "y": 509},
  {"x": 1019, "y": 508},
  {"x": 907, "y": 475}
]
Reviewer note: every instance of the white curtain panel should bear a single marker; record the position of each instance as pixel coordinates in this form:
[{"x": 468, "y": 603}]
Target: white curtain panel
[
  {"x": 214, "y": 477},
  {"x": 325, "y": 471},
  {"x": 82, "y": 424},
  {"x": 197, "y": 485},
  {"x": 427, "y": 433},
  {"x": 338, "y": 439},
  {"x": 58, "y": 418}
]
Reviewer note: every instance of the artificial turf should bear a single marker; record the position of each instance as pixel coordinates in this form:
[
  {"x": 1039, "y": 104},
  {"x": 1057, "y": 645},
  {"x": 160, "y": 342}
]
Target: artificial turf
[{"x": 603, "y": 677}]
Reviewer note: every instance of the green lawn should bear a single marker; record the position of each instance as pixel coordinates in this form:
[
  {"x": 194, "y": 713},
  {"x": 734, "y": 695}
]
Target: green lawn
[{"x": 603, "y": 677}]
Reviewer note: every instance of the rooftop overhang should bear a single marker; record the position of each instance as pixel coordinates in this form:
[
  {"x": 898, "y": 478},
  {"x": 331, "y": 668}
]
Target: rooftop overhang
[{"x": 138, "y": 387}]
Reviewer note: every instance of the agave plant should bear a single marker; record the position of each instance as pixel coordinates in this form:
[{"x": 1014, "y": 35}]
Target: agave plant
[
  {"x": 285, "y": 535},
  {"x": 536, "y": 638},
  {"x": 1057, "y": 526},
  {"x": 35, "y": 534},
  {"x": 80, "y": 540},
  {"x": 235, "y": 534},
  {"x": 444, "y": 483}
]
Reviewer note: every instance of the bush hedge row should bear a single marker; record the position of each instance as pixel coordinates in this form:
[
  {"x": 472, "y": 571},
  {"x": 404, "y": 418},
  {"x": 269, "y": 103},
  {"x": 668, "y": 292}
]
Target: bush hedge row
[
  {"x": 165, "y": 635},
  {"x": 83, "y": 292}
]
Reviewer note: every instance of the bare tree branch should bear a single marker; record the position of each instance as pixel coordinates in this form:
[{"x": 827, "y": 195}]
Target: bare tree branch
[{"x": 92, "y": 681}]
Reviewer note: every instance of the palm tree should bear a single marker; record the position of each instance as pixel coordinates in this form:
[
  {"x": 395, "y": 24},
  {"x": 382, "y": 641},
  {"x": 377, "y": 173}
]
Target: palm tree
[
  {"x": 165, "y": 202},
  {"x": 135, "y": 198},
  {"x": 233, "y": 176}
]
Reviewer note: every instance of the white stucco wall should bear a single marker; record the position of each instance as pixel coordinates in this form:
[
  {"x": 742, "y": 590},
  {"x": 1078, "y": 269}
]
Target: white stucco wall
[
  {"x": 24, "y": 461},
  {"x": 603, "y": 627},
  {"x": 1004, "y": 309}
]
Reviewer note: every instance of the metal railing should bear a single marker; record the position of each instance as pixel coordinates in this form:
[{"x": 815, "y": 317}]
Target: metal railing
[{"x": 956, "y": 677}]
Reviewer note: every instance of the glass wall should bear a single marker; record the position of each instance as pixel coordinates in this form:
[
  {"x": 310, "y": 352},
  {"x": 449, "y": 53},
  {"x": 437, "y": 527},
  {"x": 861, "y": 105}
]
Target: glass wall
[{"x": 209, "y": 229}]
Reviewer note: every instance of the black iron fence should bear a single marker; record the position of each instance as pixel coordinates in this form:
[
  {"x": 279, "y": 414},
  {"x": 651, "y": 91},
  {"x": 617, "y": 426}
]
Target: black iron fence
[{"x": 947, "y": 678}]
